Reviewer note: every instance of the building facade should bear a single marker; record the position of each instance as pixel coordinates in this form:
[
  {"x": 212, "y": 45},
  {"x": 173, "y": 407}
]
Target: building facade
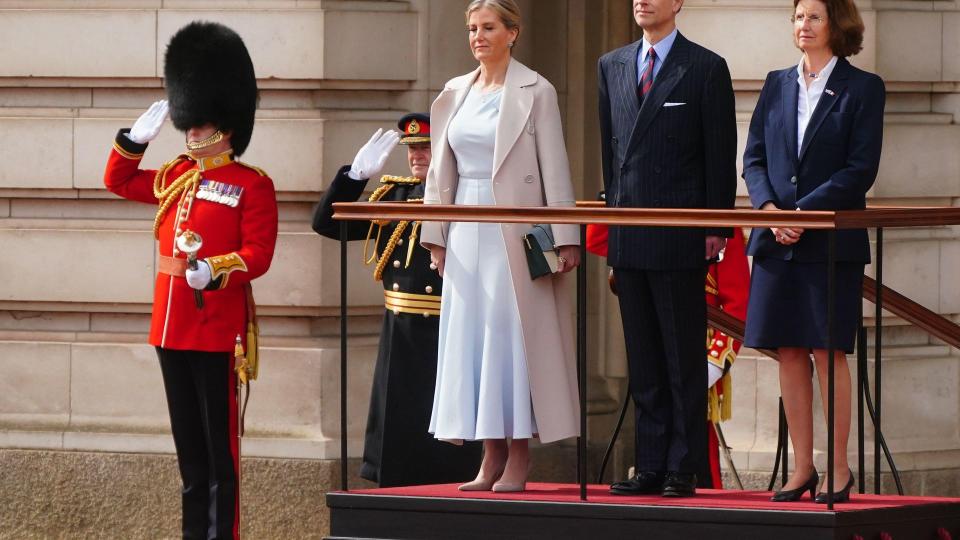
[{"x": 84, "y": 434}]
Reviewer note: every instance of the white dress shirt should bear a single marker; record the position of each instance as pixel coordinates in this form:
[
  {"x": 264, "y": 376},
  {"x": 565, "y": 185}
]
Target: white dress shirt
[
  {"x": 663, "y": 49},
  {"x": 809, "y": 97}
]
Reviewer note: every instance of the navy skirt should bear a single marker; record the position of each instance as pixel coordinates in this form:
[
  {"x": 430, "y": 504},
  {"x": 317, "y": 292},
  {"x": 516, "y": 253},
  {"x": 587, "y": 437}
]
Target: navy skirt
[{"x": 788, "y": 305}]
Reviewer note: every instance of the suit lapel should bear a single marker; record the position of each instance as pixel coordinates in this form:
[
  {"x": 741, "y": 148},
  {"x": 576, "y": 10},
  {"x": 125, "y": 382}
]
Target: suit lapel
[
  {"x": 836, "y": 85},
  {"x": 515, "y": 106},
  {"x": 670, "y": 74},
  {"x": 627, "y": 84},
  {"x": 788, "y": 108}
]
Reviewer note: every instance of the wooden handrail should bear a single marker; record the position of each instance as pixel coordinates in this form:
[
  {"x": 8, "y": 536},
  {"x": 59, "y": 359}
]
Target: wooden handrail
[
  {"x": 935, "y": 324},
  {"x": 588, "y": 212},
  {"x": 653, "y": 217}
]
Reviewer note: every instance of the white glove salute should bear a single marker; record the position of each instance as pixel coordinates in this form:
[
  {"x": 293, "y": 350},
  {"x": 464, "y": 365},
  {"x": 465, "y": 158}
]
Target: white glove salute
[
  {"x": 371, "y": 157},
  {"x": 199, "y": 278},
  {"x": 146, "y": 128}
]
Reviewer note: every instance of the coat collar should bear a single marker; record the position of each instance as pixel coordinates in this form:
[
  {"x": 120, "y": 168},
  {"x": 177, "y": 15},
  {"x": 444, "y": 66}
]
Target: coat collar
[{"x": 515, "y": 108}]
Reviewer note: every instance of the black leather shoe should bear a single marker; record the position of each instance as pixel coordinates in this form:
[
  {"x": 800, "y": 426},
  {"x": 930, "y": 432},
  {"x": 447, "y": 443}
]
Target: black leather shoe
[
  {"x": 838, "y": 497},
  {"x": 680, "y": 485},
  {"x": 791, "y": 495},
  {"x": 644, "y": 483}
]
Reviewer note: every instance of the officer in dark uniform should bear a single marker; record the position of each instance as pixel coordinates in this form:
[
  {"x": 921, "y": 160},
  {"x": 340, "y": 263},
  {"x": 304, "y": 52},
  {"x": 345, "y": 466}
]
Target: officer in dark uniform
[
  {"x": 216, "y": 227},
  {"x": 398, "y": 450}
]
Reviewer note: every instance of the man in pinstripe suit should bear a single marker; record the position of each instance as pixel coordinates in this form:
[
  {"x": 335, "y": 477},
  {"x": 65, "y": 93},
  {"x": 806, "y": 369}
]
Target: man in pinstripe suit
[{"x": 668, "y": 132}]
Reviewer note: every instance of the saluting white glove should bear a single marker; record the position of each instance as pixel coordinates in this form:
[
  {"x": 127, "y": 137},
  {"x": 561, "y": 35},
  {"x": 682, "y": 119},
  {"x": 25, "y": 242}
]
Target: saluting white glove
[
  {"x": 147, "y": 127},
  {"x": 199, "y": 278},
  {"x": 713, "y": 375},
  {"x": 371, "y": 157}
]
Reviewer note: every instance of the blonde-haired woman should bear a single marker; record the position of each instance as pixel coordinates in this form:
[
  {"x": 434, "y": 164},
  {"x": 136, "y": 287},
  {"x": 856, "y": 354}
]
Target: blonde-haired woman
[{"x": 506, "y": 355}]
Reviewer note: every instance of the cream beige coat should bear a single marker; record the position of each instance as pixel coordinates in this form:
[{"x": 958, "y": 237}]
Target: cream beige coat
[{"x": 530, "y": 160}]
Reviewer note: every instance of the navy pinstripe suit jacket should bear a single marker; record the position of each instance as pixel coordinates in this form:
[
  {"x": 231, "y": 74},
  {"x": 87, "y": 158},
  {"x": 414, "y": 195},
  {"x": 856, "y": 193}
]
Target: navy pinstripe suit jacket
[{"x": 676, "y": 151}]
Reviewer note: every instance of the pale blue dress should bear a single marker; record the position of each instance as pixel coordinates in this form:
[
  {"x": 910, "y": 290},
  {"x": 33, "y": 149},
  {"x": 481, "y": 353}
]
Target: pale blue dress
[{"x": 482, "y": 390}]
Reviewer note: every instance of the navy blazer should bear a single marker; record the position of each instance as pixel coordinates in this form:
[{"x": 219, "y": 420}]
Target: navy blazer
[
  {"x": 838, "y": 160},
  {"x": 678, "y": 150}
]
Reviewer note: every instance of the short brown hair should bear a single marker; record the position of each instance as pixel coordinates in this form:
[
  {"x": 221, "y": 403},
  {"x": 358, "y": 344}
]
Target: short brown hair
[
  {"x": 507, "y": 10},
  {"x": 846, "y": 26}
]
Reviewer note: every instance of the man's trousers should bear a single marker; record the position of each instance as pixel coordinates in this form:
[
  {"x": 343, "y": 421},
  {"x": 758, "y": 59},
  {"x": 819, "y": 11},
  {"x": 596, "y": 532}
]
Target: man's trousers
[
  {"x": 664, "y": 325},
  {"x": 201, "y": 389}
]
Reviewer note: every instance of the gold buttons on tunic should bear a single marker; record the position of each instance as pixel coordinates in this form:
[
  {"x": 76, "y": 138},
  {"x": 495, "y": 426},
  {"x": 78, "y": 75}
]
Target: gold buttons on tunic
[
  {"x": 429, "y": 289},
  {"x": 400, "y": 241},
  {"x": 426, "y": 315},
  {"x": 396, "y": 311},
  {"x": 396, "y": 264},
  {"x": 714, "y": 354},
  {"x": 396, "y": 286}
]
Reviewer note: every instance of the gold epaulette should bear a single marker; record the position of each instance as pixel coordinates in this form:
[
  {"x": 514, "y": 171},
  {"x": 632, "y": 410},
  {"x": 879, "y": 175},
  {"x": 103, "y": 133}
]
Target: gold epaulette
[
  {"x": 258, "y": 170},
  {"x": 407, "y": 180}
]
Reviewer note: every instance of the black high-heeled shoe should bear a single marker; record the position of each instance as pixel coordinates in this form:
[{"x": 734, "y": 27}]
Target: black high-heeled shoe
[
  {"x": 791, "y": 495},
  {"x": 840, "y": 496}
]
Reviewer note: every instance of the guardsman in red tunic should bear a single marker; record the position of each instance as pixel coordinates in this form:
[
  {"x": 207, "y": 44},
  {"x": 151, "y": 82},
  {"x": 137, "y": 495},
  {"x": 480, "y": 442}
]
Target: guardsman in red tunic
[
  {"x": 216, "y": 227},
  {"x": 727, "y": 287}
]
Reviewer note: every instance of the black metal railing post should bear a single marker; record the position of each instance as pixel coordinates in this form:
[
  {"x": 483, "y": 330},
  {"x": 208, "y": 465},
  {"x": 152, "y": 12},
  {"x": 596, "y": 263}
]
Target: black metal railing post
[
  {"x": 582, "y": 362},
  {"x": 877, "y": 353},
  {"x": 831, "y": 375},
  {"x": 343, "y": 356}
]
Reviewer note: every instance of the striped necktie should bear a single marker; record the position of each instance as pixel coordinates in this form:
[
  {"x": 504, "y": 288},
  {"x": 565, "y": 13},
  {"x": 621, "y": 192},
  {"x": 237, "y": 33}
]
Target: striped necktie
[{"x": 646, "y": 79}]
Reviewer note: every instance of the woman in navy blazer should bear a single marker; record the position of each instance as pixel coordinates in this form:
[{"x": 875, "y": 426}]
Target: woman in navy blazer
[{"x": 814, "y": 144}]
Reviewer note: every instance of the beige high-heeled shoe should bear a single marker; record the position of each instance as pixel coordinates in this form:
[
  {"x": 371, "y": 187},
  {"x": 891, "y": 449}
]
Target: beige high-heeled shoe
[
  {"x": 513, "y": 487},
  {"x": 483, "y": 485}
]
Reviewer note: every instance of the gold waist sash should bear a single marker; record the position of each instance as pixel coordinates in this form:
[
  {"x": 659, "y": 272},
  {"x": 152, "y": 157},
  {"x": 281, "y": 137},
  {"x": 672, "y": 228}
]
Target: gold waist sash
[{"x": 418, "y": 304}]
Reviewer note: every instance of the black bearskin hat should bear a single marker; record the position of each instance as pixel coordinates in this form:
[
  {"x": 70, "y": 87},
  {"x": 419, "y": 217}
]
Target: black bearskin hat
[{"x": 210, "y": 79}]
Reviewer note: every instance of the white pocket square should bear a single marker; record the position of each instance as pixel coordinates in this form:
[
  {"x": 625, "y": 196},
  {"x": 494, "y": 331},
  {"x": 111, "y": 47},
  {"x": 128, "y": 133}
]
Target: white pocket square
[{"x": 671, "y": 104}]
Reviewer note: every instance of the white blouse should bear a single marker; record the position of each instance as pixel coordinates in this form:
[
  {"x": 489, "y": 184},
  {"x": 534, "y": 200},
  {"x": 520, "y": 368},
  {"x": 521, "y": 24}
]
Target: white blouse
[{"x": 809, "y": 97}]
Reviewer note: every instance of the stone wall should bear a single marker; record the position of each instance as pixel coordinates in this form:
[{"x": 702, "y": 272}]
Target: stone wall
[{"x": 79, "y": 386}]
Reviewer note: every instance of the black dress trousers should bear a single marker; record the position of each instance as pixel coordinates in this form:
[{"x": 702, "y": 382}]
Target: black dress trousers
[{"x": 201, "y": 398}]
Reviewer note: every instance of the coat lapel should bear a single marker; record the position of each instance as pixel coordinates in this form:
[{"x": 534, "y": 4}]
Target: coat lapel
[
  {"x": 788, "y": 108},
  {"x": 442, "y": 111},
  {"x": 836, "y": 85},
  {"x": 666, "y": 80},
  {"x": 515, "y": 106}
]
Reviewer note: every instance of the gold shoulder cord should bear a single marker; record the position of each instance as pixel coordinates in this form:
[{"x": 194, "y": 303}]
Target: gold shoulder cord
[
  {"x": 167, "y": 195},
  {"x": 374, "y": 197},
  {"x": 413, "y": 236},
  {"x": 388, "y": 183}
]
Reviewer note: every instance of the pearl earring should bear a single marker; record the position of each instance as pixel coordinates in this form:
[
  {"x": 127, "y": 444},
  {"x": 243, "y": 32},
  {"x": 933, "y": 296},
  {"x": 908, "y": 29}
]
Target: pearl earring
[{"x": 510, "y": 45}]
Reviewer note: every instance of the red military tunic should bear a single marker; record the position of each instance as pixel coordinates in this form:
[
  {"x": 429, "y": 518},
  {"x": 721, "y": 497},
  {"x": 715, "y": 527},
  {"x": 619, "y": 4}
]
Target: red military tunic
[{"x": 238, "y": 225}]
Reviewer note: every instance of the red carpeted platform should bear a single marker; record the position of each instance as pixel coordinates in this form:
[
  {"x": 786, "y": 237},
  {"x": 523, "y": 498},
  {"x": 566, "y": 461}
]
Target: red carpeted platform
[
  {"x": 706, "y": 498},
  {"x": 556, "y": 511}
]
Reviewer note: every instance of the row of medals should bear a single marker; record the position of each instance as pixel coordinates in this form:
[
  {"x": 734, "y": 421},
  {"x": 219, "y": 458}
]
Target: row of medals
[{"x": 219, "y": 192}]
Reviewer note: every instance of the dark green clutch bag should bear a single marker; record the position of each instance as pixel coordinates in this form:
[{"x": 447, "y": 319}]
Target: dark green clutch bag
[{"x": 541, "y": 251}]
